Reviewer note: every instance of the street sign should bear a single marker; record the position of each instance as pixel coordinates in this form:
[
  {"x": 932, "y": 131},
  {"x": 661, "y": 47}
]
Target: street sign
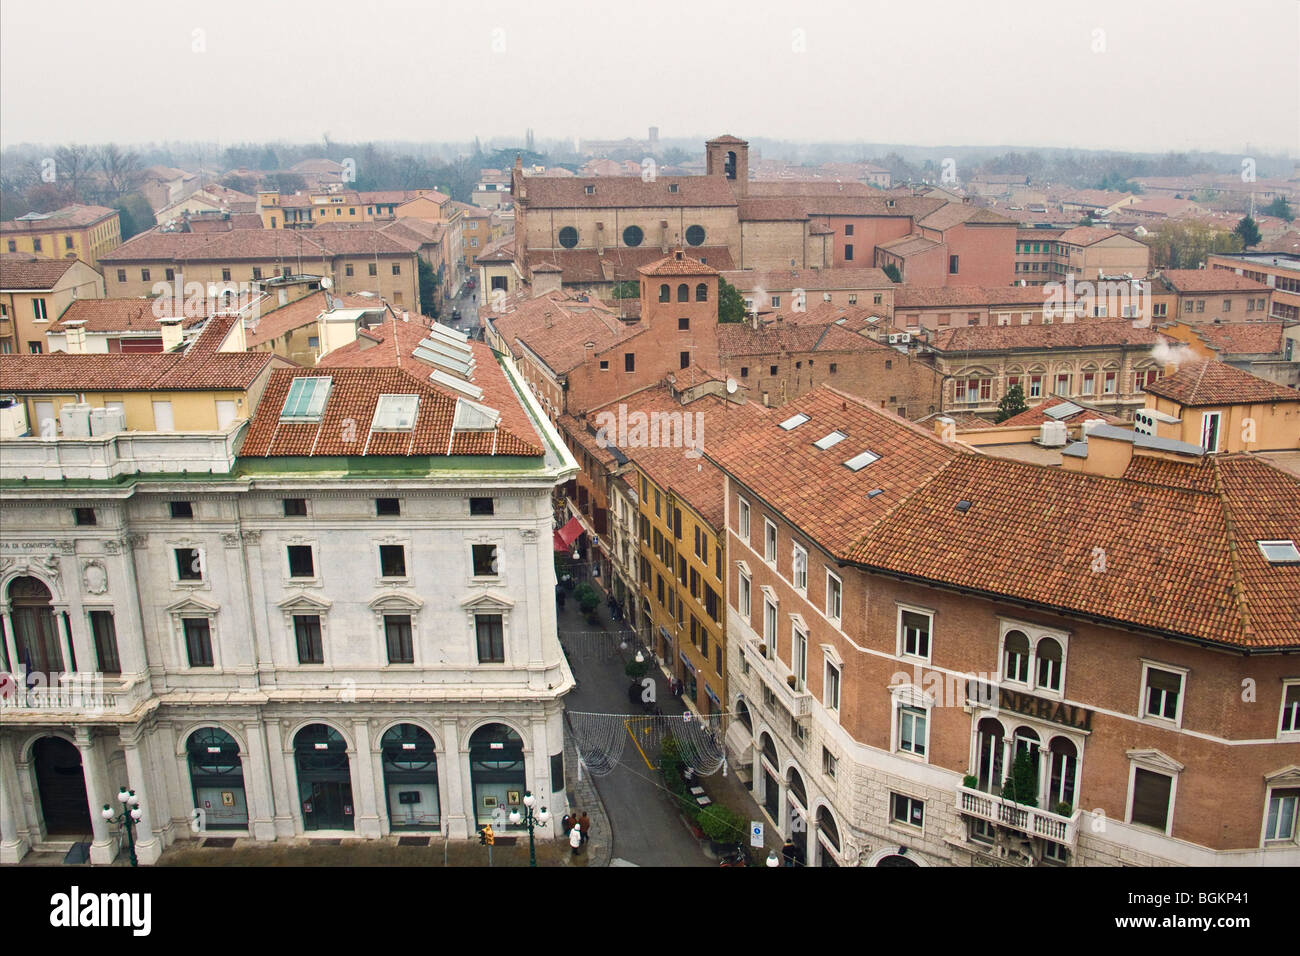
[{"x": 756, "y": 833}]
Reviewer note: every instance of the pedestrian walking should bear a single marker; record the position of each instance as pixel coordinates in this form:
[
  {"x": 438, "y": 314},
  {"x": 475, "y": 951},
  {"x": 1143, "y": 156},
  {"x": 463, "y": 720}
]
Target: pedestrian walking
[
  {"x": 567, "y": 823},
  {"x": 584, "y": 823},
  {"x": 575, "y": 839}
]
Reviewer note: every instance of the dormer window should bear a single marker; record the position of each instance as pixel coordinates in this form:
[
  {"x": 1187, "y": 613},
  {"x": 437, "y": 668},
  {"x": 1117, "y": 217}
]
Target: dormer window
[
  {"x": 591, "y": 190},
  {"x": 672, "y": 187}
]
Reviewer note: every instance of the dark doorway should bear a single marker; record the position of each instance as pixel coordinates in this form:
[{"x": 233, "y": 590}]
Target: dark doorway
[
  {"x": 62, "y": 786},
  {"x": 324, "y": 781},
  {"x": 217, "y": 779}
]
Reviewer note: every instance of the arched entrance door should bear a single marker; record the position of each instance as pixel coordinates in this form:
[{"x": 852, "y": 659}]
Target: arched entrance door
[
  {"x": 828, "y": 838},
  {"x": 895, "y": 860},
  {"x": 497, "y": 773},
  {"x": 771, "y": 789},
  {"x": 411, "y": 778},
  {"x": 217, "y": 778},
  {"x": 62, "y": 787},
  {"x": 797, "y": 798},
  {"x": 35, "y": 632},
  {"x": 324, "y": 779}
]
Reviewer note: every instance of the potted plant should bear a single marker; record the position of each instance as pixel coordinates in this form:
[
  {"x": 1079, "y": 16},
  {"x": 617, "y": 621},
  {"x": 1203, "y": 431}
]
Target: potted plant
[
  {"x": 792, "y": 681},
  {"x": 970, "y": 782},
  {"x": 1063, "y": 809},
  {"x": 762, "y": 649},
  {"x": 1022, "y": 785}
]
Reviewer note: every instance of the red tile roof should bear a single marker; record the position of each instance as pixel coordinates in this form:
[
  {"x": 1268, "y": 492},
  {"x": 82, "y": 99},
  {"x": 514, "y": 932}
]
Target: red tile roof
[
  {"x": 1071, "y": 335},
  {"x": 273, "y": 324},
  {"x": 20, "y": 272},
  {"x": 1244, "y": 338},
  {"x": 1209, "y": 280},
  {"x": 345, "y": 424},
  {"x": 737, "y": 339},
  {"x": 557, "y": 330},
  {"x": 973, "y": 296},
  {"x": 1037, "y": 415},
  {"x": 678, "y": 263},
  {"x": 1180, "y": 548},
  {"x": 817, "y": 280},
  {"x": 1214, "y": 383},
  {"x": 612, "y": 265},
  {"x": 200, "y": 367},
  {"x": 119, "y": 315},
  {"x": 72, "y": 216}
]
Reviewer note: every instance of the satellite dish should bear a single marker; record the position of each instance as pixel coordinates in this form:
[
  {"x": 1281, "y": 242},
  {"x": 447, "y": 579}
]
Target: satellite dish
[
  {"x": 731, "y": 386},
  {"x": 327, "y": 283}
]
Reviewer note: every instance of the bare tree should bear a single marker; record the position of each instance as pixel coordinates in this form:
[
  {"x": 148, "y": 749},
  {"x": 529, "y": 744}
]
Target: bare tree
[
  {"x": 121, "y": 169},
  {"x": 74, "y": 163}
]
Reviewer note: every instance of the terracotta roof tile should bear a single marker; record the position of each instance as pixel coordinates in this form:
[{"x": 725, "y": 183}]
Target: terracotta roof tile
[
  {"x": 1209, "y": 280},
  {"x": 1062, "y": 335},
  {"x": 1214, "y": 383},
  {"x": 1244, "y": 338},
  {"x": 20, "y": 272}
]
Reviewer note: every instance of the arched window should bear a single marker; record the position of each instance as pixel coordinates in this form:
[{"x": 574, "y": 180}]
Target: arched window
[
  {"x": 497, "y": 773},
  {"x": 988, "y": 755},
  {"x": 217, "y": 779},
  {"x": 1048, "y": 653},
  {"x": 665, "y": 294},
  {"x": 1065, "y": 762},
  {"x": 795, "y": 782},
  {"x": 411, "y": 778},
  {"x": 827, "y": 829},
  {"x": 324, "y": 778},
  {"x": 742, "y": 711},
  {"x": 702, "y": 292},
  {"x": 1015, "y": 658},
  {"x": 568, "y": 237},
  {"x": 771, "y": 788},
  {"x": 769, "y": 750},
  {"x": 35, "y": 632},
  {"x": 683, "y": 293}
]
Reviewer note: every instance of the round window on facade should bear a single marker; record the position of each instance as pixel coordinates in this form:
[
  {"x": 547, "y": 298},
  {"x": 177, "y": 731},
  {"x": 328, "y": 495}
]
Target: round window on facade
[
  {"x": 632, "y": 236},
  {"x": 695, "y": 235},
  {"x": 568, "y": 237}
]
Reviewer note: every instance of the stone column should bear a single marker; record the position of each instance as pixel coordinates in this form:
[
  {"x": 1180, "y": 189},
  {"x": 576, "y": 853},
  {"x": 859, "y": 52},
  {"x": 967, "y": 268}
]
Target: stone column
[
  {"x": 11, "y": 640},
  {"x": 363, "y": 778},
  {"x": 148, "y": 845},
  {"x": 284, "y": 794},
  {"x": 12, "y": 846},
  {"x": 257, "y": 784},
  {"x": 454, "y": 789},
  {"x": 103, "y": 847}
]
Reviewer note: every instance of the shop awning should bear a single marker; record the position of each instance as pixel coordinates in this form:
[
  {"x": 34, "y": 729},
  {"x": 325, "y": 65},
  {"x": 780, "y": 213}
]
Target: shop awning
[{"x": 571, "y": 532}]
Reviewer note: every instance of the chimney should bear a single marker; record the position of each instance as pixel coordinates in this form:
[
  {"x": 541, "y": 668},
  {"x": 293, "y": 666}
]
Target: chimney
[
  {"x": 171, "y": 333},
  {"x": 75, "y": 332}
]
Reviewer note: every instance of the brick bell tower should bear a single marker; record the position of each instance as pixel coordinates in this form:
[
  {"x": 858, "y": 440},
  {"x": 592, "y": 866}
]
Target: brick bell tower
[
  {"x": 679, "y": 306},
  {"x": 728, "y": 157}
]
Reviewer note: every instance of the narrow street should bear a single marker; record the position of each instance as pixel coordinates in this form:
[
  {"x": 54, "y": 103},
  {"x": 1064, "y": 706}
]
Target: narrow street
[{"x": 648, "y": 831}]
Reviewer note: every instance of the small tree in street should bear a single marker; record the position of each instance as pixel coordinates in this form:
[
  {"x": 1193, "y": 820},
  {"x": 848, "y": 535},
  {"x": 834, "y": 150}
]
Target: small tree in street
[{"x": 731, "y": 304}]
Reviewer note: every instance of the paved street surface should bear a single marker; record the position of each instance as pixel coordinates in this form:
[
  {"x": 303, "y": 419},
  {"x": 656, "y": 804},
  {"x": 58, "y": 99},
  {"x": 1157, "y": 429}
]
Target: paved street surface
[
  {"x": 648, "y": 830},
  {"x": 468, "y": 322}
]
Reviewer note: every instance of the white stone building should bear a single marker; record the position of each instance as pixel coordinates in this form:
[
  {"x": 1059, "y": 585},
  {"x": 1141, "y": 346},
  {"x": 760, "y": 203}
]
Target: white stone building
[{"x": 338, "y": 621}]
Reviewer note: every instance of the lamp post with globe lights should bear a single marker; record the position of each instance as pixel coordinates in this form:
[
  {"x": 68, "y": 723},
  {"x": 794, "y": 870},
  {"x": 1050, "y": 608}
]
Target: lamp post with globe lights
[
  {"x": 130, "y": 817},
  {"x": 531, "y": 819}
]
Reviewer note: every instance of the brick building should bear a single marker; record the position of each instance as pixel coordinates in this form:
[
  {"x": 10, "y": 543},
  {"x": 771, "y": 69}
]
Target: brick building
[{"x": 938, "y": 657}]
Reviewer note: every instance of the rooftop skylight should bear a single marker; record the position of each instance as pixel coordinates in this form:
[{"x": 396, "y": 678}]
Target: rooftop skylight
[
  {"x": 395, "y": 413},
  {"x": 794, "y": 421},
  {"x": 1279, "y": 552},
  {"x": 834, "y": 438},
  {"x": 861, "y": 460},
  {"x": 306, "y": 399}
]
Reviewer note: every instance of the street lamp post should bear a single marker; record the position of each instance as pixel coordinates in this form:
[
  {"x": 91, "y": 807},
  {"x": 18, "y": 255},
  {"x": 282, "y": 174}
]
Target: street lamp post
[
  {"x": 530, "y": 818},
  {"x": 130, "y": 817}
]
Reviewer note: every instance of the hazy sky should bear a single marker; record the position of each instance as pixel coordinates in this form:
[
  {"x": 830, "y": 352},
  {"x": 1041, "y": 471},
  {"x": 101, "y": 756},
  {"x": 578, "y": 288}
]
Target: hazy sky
[{"x": 1145, "y": 75}]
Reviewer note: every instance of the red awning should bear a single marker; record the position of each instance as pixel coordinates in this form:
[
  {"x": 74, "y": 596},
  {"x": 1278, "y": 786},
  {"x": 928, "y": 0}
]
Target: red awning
[{"x": 570, "y": 533}]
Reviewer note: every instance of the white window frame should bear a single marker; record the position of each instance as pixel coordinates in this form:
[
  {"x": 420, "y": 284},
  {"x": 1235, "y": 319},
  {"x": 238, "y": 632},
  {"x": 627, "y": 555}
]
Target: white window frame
[
  {"x": 745, "y": 596},
  {"x": 1294, "y": 732},
  {"x": 770, "y": 531},
  {"x": 396, "y": 604},
  {"x": 1036, "y": 634},
  {"x": 1218, "y": 429},
  {"x": 202, "y": 581},
  {"x": 1177, "y": 719},
  {"x": 1138, "y": 763},
  {"x": 400, "y": 580},
  {"x": 895, "y": 822},
  {"x": 1268, "y": 841},
  {"x": 289, "y": 579},
  {"x": 838, "y": 616},
  {"x": 796, "y": 552},
  {"x": 837, "y": 683},
  {"x": 500, "y": 577},
  {"x": 830, "y": 764},
  {"x": 799, "y": 656},
  {"x": 189, "y": 607},
  {"x": 928, "y": 613},
  {"x": 913, "y": 698},
  {"x": 770, "y": 612},
  {"x": 742, "y": 518}
]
